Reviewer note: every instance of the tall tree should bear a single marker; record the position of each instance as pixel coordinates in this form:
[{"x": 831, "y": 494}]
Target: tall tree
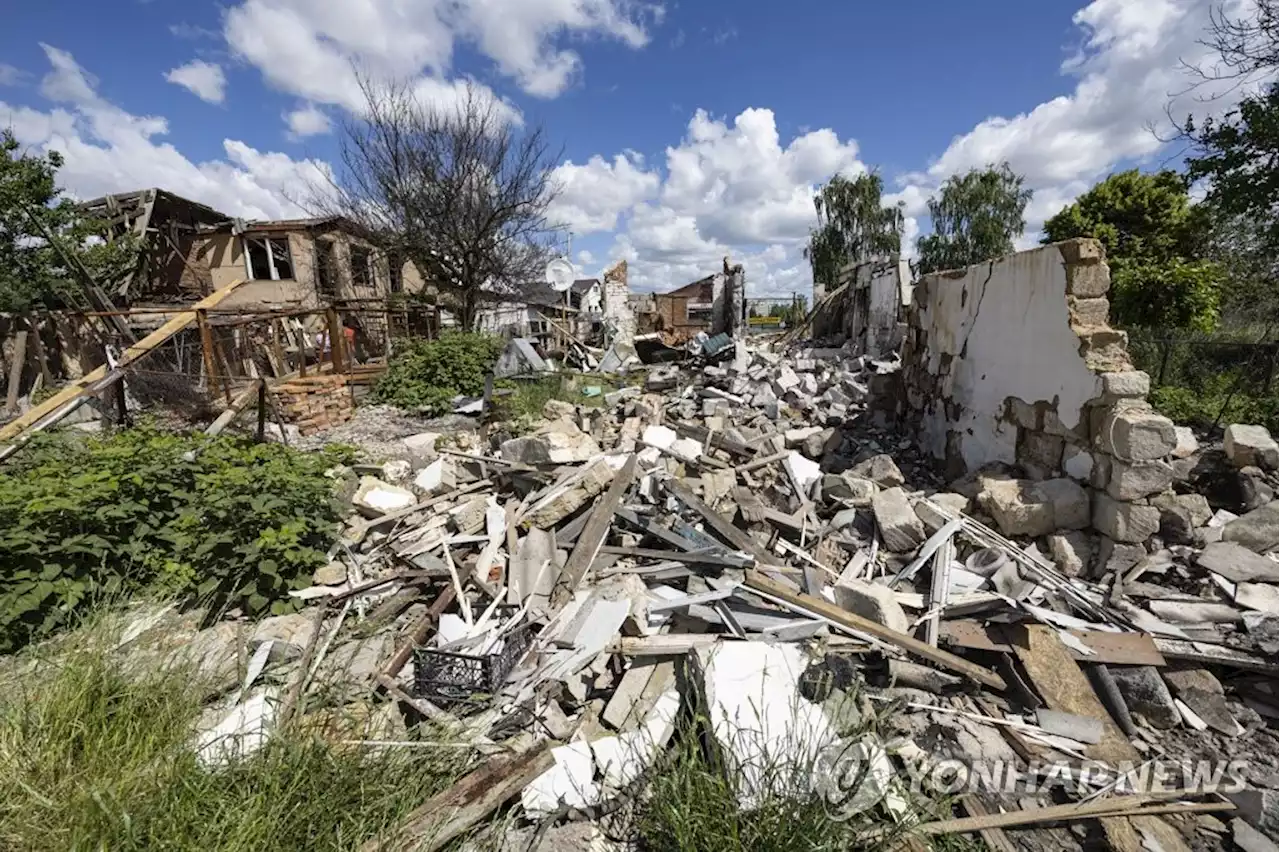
[
  {"x": 33, "y": 209},
  {"x": 458, "y": 190},
  {"x": 976, "y": 216},
  {"x": 853, "y": 225},
  {"x": 1155, "y": 242}
]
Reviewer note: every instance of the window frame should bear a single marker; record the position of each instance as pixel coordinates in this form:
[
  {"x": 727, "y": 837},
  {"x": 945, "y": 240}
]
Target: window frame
[{"x": 265, "y": 241}]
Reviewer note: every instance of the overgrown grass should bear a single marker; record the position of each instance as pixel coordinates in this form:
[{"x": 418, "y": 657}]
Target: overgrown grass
[
  {"x": 522, "y": 401},
  {"x": 94, "y": 757}
]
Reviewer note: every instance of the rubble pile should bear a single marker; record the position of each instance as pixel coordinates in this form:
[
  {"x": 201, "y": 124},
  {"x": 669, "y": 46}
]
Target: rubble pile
[{"x": 730, "y": 529}]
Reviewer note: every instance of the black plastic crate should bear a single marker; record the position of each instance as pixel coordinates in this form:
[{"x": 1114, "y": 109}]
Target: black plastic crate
[{"x": 450, "y": 679}]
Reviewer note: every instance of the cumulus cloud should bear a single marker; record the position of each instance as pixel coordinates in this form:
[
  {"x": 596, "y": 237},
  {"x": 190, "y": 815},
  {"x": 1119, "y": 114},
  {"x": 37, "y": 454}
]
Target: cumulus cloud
[
  {"x": 203, "y": 79},
  {"x": 592, "y": 195},
  {"x": 307, "y": 120},
  {"x": 313, "y": 48},
  {"x": 107, "y": 150}
]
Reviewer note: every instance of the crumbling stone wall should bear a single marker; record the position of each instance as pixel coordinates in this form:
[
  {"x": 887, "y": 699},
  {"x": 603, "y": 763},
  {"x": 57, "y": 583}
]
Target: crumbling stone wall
[
  {"x": 316, "y": 402},
  {"x": 1013, "y": 361},
  {"x": 617, "y": 307}
]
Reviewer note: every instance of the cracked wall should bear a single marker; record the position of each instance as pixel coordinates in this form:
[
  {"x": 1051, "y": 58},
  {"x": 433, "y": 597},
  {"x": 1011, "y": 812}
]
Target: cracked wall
[{"x": 1013, "y": 361}]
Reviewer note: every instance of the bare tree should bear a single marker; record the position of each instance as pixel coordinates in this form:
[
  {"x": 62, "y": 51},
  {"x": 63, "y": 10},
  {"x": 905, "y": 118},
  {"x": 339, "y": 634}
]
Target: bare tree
[{"x": 458, "y": 190}]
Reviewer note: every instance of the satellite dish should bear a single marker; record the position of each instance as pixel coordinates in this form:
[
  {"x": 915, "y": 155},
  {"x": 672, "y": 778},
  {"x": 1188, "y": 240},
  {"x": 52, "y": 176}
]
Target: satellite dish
[{"x": 560, "y": 274}]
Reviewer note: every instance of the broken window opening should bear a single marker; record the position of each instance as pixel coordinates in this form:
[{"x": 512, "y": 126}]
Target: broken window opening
[
  {"x": 395, "y": 273},
  {"x": 268, "y": 258},
  {"x": 327, "y": 265},
  {"x": 361, "y": 267}
]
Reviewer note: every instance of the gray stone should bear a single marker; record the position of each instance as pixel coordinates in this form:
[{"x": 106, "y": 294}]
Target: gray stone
[
  {"x": 1146, "y": 695},
  {"x": 1116, "y": 557},
  {"x": 333, "y": 574},
  {"x": 1133, "y": 383},
  {"x": 1126, "y": 522},
  {"x": 849, "y": 489},
  {"x": 1187, "y": 444},
  {"x": 1250, "y": 445},
  {"x": 1202, "y": 692},
  {"x": 554, "y": 409},
  {"x": 558, "y": 442},
  {"x": 1040, "y": 454},
  {"x": 1070, "y": 503},
  {"x": 1130, "y": 481},
  {"x": 1238, "y": 564},
  {"x": 899, "y": 526},
  {"x": 1256, "y": 530},
  {"x": 872, "y": 601},
  {"x": 1136, "y": 434},
  {"x": 881, "y": 470},
  {"x": 1019, "y": 509},
  {"x": 932, "y": 518},
  {"x": 1077, "y": 462},
  {"x": 1071, "y": 552}
]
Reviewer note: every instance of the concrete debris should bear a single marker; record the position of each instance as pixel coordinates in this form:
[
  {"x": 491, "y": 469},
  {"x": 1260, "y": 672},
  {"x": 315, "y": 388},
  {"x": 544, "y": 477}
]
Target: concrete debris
[
  {"x": 899, "y": 526},
  {"x": 374, "y": 498},
  {"x": 1250, "y": 446}
]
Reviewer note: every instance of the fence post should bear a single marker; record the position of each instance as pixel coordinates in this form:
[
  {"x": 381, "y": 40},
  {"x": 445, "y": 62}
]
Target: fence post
[
  {"x": 206, "y": 349},
  {"x": 262, "y": 410}
]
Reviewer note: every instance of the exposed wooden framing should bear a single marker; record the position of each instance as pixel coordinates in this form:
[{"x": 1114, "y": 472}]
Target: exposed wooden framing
[
  {"x": 76, "y": 389},
  {"x": 282, "y": 359},
  {"x": 718, "y": 439},
  {"x": 15, "y": 370},
  {"x": 41, "y": 355},
  {"x": 206, "y": 350},
  {"x": 588, "y": 544},
  {"x": 337, "y": 341},
  {"x": 833, "y": 613},
  {"x": 220, "y": 358}
]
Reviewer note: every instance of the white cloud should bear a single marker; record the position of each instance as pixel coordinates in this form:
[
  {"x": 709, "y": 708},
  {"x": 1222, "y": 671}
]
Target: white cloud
[
  {"x": 593, "y": 194},
  {"x": 107, "y": 150},
  {"x": 312, "y": 48},
  {"x": 1128, "y": 71},
  {"x": 308, "y": 120},
  {"x": 9, "y": 75},
  {"x": 203, "y": 79}
]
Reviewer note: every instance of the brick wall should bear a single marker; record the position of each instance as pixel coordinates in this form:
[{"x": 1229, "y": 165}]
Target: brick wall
[{"x": 315, "y": 403}]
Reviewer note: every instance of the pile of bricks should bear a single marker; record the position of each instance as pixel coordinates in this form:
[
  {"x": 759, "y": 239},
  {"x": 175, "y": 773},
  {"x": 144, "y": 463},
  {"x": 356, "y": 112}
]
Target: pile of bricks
[{"x": 316, "y": 402}]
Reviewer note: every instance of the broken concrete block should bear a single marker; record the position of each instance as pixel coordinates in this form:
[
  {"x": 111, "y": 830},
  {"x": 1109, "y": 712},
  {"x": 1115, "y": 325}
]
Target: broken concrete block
[
  {"x": 1129, "y": 384},
  {"x": 1077, "y": 463},
  {"x": 1202, "y": 692},
  {"x": 615, "y": 398},
  {"x": 1071, "y": 552},
  {"x": 563, "y": 501},
  {"x": 558, "y": 442},
  {"x": 1084, "y": 729},
  {"x": 848, "y": 488},
  {"x": 1247, "y": 446},
  {"x": 1016, "y": 508},
  {"x": 436, "y": 478},
  {"x": 1187, "y": 444},
  {"x": 1089, "y": 281},
  {"x": 1145, "y": 693},
  {"x": 899, "y": 526},
  {"x": 375, "y": 498},
  {"x": 933, "y": 519},
  {"x": 422, "y": 446},
  {"x": 1125, "y": 522},
  {"x": 795, "y": 438},
  {"x": 333, "y": 574},
  {"x": 1181, "y": 515},
  {"x": 1256, "y": 530},
  {"x": 871, "y": 601},
  {"x": 554, "y": 409},
  {"x": 1087, "y": 313},
  {"x": 803, "y": 472},
  {"x": 1131, "y": 480},
  {"x": 1238, "y": 564},
  {"x": 1116, "y": 557},
  {"x": 881, "y": 469},
  {"x": 1137, "y": 434},
  {"x": 1070, "y": 503}
]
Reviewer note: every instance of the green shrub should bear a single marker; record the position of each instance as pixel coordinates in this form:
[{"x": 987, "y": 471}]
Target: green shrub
[
  {"x": 218, "y": 520},
  {"x": 427, "y": 374}
]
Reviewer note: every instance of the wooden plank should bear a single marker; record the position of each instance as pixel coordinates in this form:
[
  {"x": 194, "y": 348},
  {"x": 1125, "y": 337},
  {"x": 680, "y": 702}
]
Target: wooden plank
[
  {"x": 206, "y": 351},
  {"x": 240, "y": 403},
  {"x": 695, "y": 558},
  {"x": 592, "y": 536},
  {"x": 15, "y": 370},
  {"x": 139, "y": 350},
  {"x": 449, "y": 814},
  {"x": 719, "y": 524},
  {"x": 659, "y": 532},
  {"x": 758, "y": 581},
  {"x": 994, "y": 837},
  {"x": 421, "y": 632},
  {"x": 1128, "y": 649},
  {"x": 1063, "y": 686}
]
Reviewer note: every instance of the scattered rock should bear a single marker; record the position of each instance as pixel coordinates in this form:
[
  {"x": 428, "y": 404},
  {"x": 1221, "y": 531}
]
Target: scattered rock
[
  {"x": 873, "y": 601},
  {"x": 1256, "y": 530},
  {"x": 1071, "y": 552},
  {"x": 1238, "y": 564},
  {"x": 1250, "y": 446},
  {"x": 881, "y": 470},
  {"x": 1146, "y": 694},
  {"x": 333, "y": 574},
  {"x": 557, "y": 442},
  {"x": 375, "y": 498},
  {"x": 899, "y": 526}
]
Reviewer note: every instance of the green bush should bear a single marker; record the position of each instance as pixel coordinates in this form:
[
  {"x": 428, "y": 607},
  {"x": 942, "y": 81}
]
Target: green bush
[
  {"x": 220, "y": 521},
  {"x": 427, "y": 374}
]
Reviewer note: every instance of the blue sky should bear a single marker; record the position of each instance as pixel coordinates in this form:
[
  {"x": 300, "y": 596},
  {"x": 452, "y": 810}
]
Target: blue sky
[{"x": 690, "y": 130}]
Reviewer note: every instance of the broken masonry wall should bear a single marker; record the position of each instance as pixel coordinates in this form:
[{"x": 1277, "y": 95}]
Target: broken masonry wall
[
  {"x": 1013, "y": 361},
  {"x": 867, "y": 306},
  {"x": 617, "y": 302}
]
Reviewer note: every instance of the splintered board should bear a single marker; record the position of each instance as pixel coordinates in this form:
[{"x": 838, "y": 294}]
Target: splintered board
[{"x": 1126, "y": 649}]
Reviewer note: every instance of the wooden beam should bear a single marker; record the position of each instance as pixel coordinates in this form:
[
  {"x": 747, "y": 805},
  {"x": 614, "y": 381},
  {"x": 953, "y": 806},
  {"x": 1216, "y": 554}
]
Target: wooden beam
[
  {"x": 240, "y": 403},
  {"x": 449, "y": 814},
  {"x": 758, "y": 581},
  {"x": 592, "y": 536},
  {"x": 15, "y": 370},
  {"x": 1112, "y": 807},
  {"x": 689, "y": 558},
  {"x": 719, "y": 524},
  {"x": 134, "y": 353}
]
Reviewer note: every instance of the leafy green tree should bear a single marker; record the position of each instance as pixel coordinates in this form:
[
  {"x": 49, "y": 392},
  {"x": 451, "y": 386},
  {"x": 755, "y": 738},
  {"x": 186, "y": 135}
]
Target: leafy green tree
[
  {"x": 33, "y": 270},
  {"x": 976, "y": 216},
  {"x": 1155, "y": 241},
  {"x": 854, "y": 225}
]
